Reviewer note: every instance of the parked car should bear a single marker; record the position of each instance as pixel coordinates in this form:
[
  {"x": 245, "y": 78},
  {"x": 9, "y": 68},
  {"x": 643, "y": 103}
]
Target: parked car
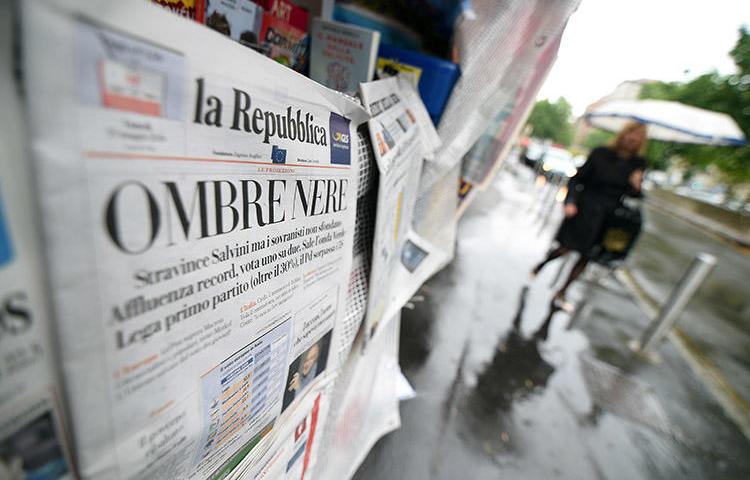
[
  {"x": 558, "y": 161},
  {"x": 550, "y": 160},
  {"x": 532, "y": 150}
]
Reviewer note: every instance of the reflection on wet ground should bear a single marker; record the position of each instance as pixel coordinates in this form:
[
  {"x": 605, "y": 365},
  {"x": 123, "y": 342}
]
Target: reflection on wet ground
[
  {"x": 415, "y": 341},
  {"x": 505, "y": 389},
  {"x": 516, "y": 371},
  {"x": 517, "y": 368}
]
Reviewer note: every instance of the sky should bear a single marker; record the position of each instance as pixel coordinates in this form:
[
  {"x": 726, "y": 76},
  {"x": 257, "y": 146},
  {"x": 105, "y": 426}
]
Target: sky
[{"x": 609, "y": 41}]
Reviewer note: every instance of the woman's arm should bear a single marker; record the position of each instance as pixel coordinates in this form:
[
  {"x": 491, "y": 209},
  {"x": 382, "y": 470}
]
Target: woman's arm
[
  {"x": 578, "y": 182},
  {"x": 636, "y": 181}
]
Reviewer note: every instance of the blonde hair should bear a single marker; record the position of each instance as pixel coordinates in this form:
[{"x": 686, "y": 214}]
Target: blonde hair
[{"x": 631, "y": 126}]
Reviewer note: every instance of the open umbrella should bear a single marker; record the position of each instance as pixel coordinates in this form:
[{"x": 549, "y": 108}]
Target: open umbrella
[{"x": 668, "y": 121}]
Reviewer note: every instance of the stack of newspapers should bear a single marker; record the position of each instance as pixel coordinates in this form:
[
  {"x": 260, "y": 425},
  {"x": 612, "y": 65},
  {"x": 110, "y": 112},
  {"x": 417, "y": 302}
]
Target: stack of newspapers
[{"x": 177, "y": 259}]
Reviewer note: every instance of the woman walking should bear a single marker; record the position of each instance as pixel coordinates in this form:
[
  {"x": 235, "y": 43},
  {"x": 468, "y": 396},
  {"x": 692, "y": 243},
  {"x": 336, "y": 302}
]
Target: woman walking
[{"x": 609, "y": 174}]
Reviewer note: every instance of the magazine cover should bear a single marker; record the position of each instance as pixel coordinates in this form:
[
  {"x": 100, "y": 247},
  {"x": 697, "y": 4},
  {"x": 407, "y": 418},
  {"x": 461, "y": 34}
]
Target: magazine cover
[{"x": 342, "y": 56}]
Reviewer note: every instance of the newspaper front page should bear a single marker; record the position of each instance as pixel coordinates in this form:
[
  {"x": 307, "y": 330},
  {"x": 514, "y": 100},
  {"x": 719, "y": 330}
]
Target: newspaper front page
[
  {"x": 198, "y": 204},
  {"x": 402, "y": 139}
]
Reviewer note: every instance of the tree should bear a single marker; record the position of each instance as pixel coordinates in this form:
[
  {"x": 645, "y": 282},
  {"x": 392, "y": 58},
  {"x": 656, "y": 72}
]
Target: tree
[
  {"x": 552, "y": 121},
  {"x": 729, "y": 94}
]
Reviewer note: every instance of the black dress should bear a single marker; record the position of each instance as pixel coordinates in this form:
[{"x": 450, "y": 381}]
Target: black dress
[{"x": 596, "y": 190}]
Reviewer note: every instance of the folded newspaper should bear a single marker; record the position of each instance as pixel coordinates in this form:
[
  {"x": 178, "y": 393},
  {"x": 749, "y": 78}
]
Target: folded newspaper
[{"x": 403, "y": 137}]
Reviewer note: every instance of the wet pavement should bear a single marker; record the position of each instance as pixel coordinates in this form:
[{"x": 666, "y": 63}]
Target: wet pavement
[{"x": 506, "y": 390}]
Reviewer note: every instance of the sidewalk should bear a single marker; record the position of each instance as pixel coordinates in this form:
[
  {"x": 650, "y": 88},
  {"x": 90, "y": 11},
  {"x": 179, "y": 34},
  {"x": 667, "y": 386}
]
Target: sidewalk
[
  {"x": 731, "y": 226},
  {"x": 498, "y": 402}
]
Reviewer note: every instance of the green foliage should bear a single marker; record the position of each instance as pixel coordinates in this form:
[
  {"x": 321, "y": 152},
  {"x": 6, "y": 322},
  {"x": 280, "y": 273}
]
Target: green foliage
[
  {"x": 552, "y": 121},
  {"x": 729, "y": 94},
  {"x": 659, "y": 153}
]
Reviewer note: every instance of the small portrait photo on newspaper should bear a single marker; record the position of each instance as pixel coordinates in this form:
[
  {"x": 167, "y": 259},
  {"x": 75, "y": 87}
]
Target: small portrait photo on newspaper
[
  {"x": 306, "y": 368},
  {"x": 33, "y": 452},
  {"x": 412, "y": 255}
]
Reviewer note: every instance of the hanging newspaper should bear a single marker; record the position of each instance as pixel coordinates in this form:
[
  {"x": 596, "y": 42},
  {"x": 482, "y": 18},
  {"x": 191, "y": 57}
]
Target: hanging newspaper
[
  {"x": 401, "y": 143},
  {"x": 366, "y": 404},
  {"x": 198, "y": 203},
  {"x": 32, "y": 439}
]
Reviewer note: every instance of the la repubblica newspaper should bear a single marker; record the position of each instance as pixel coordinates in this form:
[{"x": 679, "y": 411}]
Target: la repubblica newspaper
[{"x": 197, "y": 204}]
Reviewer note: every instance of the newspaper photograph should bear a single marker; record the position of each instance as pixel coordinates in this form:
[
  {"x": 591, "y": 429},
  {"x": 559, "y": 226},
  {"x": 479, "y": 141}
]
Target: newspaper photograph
[{"x": 198, "y": 223}]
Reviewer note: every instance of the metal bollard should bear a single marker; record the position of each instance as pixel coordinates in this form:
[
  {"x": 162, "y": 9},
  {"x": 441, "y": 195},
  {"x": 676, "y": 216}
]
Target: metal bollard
[{"x": 701, "y": 266}]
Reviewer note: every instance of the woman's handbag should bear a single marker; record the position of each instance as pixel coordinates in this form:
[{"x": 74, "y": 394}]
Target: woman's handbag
[{"x": 619, "y": 233}]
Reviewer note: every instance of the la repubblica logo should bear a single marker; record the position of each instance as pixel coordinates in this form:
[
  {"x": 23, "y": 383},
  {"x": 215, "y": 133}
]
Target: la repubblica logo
[{"x": 340, "y": 141}]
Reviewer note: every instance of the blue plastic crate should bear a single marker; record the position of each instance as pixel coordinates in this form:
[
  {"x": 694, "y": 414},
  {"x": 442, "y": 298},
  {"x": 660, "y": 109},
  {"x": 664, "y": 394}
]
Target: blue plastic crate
[{"x": 436, "y": 79}]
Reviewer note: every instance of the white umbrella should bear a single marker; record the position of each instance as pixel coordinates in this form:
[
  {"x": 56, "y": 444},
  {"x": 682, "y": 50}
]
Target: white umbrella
[{"x": 668, "y": 121}]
